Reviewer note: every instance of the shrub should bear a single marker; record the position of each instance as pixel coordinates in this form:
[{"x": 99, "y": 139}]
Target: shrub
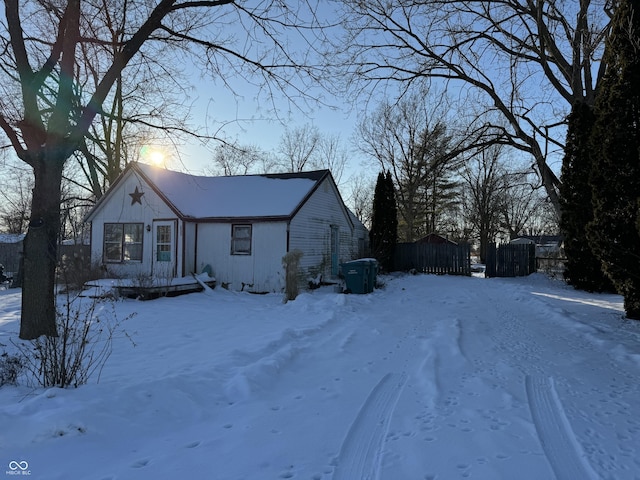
[
  {"x": 81, "y": 349},
  {"x": 10, "y": 368},
  {"x": 291, "y": 262},
  {"x": 75, "y": 270}
]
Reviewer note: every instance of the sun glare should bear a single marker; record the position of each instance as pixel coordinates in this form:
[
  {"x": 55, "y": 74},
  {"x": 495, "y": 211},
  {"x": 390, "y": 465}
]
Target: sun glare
[
  {"x": 153, "y": 155},
  {"x": 156, "y": 157}
]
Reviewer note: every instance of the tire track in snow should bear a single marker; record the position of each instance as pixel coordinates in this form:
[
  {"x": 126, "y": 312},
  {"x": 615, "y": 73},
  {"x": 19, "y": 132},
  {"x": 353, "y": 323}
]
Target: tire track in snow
[
  {"x": 556, "y": 436},
  {"x": 361, "y": 450}
]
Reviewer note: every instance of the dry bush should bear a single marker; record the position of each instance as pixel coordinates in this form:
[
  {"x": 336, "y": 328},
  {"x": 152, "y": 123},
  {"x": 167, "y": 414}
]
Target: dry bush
[
  {"x": 81, "y": 349},
  {"x": 291, "y": 263}
]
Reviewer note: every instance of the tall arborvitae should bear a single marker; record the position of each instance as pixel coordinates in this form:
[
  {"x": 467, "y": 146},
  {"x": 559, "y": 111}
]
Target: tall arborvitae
[
  {"x": 384, "y": 222},
  {"x": 583, "y": 269},
  {"x": 392, "y": 218},
  {"x": 615, "y": 175}
]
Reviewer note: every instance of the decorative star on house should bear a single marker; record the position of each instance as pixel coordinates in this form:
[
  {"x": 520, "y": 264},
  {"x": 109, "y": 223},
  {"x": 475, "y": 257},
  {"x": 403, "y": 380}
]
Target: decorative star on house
[{"x": 136, "y": 196}]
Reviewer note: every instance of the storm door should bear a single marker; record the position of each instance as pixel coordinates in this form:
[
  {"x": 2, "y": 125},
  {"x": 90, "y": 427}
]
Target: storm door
[{"x": 164, "y": 249}]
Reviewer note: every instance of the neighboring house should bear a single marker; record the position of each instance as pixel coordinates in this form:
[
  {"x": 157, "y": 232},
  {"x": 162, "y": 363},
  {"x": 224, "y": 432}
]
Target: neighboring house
[
  {"x": 435, "y": 239},
  {"x": 161, "y": 223},
  {"x": 11, "y": 245},
  {"x": 547, "y": 246},
  {"x": 361, "y": 236}
]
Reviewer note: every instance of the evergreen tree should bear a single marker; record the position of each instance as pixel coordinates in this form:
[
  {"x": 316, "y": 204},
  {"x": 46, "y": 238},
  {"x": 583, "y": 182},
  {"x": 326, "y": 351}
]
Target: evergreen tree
[
  {"x": 384, "y": 223},
  {"x": 615, "y": 175},
  {"x": 583, "y": 269},
  {"x": 392, "y": 218}
]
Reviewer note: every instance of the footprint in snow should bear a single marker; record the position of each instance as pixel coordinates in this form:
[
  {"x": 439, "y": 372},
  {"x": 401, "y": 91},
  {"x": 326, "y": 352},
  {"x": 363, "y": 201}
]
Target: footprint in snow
[{"x": 140, "y": 463}]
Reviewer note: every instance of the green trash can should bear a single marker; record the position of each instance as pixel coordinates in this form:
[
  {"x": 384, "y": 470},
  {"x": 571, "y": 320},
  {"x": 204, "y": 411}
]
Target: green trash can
[
  {"x": 360, "y": 275},
  {"x": 373, "y": 272}
]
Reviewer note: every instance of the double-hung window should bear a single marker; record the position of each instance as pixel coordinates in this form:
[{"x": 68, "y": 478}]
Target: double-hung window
[
  {"x": 123, "y": 242},
  {"x": 240, "y": 239}
]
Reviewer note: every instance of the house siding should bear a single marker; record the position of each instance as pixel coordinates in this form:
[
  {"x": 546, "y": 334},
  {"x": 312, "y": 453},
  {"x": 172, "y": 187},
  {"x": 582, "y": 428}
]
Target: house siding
[
  {"x": 261, "y": 271},
  {"x": 119, "y": 209},
  {"x": 190, "y": 248},
  {"x": 207, "y": 241},
  {"x": 310, "y": 232}
]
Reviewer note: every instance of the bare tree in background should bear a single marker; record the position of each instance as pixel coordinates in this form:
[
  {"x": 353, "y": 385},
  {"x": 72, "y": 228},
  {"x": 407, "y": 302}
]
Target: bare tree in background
[
  {"x": 526, "y": 61},
  {"x": 298, "y": 147},
  {"x": 360, "y": 197},
  {"x": 332, "y": 155},
  {"x": 523, "y": 205},
  {"x": 15, "y": 199},
  {"x": 146, "y": 107},
  {"x": 48, "y": 109},
  {"x": 483, "y": 195},
  {"x": 233, "y": 159},
  {"x": 306, "y": 148},
  {"x": 411, "y": 140}
]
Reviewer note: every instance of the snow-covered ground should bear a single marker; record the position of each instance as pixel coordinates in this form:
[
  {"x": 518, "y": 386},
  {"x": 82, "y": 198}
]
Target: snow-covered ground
[{"x": 430, "y": 377}]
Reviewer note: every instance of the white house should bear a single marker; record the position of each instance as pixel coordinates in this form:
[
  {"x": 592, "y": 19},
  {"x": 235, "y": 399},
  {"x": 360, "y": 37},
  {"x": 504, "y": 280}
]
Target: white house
[{"x": 161, "y": 223}]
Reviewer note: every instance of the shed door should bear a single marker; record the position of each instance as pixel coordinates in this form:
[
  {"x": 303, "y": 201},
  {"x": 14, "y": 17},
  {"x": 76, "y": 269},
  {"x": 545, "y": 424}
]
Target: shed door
[
  {"x": 164, "y": 249},
  {"x": 335, "y": 249}
]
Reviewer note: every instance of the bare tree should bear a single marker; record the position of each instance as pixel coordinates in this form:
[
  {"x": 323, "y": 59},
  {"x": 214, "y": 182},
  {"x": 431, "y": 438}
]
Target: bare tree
[
  {"x": 15, "y": 195},
  {"x": 49, "y": 103},
  {"x": 483, "y": 195},
  {"x": 360, "y": 198},
  {"x": 233, "y": 159},
  {"x": 306, "y": 148},
  {"x": 331, "y": 155},
  {"x": 298, "y": 147},
  {"x": 144, "y": 101},
  {"x": 410, "y": 139},
  {"x": 526, "y": 61},
  {"x": 523, "y": 204}
]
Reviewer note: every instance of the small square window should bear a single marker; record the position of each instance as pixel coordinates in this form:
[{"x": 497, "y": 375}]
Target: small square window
[
  {"x": 123, "y": 242},
  {"x": 241, "y": 240}
]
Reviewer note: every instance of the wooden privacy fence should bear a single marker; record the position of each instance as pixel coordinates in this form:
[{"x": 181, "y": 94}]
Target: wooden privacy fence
[
  {"x": 433, "y": 258},
  {"x": 510, "y": 260}
]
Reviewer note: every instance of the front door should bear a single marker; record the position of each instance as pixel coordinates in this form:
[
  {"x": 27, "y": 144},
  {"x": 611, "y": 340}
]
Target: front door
[{"x": 164, "y": 249}]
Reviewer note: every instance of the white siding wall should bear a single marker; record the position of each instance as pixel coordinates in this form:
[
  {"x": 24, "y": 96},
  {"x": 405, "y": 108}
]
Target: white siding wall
[
  {"x": 360, "y": 237},
  {"x": 310, "y": 232},
  {"x": 190, "y": 249},
  {"x": 261, "y": 271},
  {"x": 118, "y": 209}
]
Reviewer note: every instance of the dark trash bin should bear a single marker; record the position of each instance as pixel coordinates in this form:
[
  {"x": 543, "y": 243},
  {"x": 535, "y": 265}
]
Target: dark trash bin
[{"x": 360, "y": 275}]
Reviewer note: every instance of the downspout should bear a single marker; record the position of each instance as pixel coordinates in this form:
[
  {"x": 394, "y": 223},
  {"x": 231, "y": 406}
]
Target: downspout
[
  {"x": 184, "y": 246},
  {"x": 195, "y": 249},
  {"x": 288, "y": 233}
]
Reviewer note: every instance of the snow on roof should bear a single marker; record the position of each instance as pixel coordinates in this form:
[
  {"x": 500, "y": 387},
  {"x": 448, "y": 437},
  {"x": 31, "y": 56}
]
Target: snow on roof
[
  {"x": 11, "y": 237},
  {"x": 233, "y": 196}
]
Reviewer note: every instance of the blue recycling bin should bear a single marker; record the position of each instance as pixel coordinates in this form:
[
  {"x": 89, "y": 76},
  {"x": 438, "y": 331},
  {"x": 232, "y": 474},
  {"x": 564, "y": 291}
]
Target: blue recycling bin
[{"x": 360, "y": 275}]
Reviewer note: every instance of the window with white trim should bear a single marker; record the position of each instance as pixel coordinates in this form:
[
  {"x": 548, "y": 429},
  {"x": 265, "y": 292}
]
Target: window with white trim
[
  {"x": 240, "y": 239},
  {"x": 123, "y": 242}
]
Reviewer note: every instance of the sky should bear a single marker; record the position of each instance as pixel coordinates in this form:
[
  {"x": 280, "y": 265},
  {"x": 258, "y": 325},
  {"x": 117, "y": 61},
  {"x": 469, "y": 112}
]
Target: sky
[
  {"x": 247, "y": 115},
  {"x": 429, "y": 377},
  {"x": 243, "y": 118}
]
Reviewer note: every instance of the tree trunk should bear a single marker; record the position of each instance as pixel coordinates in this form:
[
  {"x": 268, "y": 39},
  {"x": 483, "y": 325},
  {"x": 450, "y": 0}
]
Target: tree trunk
[
  {"x": 40, "y": 252},
  {"x": 484, "y": 244}
]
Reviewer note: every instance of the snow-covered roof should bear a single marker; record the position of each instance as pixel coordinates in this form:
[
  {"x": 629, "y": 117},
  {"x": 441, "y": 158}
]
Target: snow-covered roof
[
  {"x": 11, "y": 237},
  {"x": 272, "y": 195},
  {"x": 269, "y": 196}
]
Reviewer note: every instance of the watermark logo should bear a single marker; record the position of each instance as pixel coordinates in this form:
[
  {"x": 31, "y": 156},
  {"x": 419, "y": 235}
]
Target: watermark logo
[{"x": 18, "y": 468}]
